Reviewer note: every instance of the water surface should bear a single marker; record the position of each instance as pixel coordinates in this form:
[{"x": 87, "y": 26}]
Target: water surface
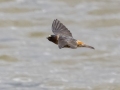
[{"x": 29, "y": 61}]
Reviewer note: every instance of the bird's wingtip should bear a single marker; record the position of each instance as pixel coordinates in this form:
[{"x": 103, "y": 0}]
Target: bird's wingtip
[{"x": 56, "y": 19}]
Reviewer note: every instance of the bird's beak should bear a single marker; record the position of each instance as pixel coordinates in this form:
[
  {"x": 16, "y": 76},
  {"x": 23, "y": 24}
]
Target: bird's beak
[
  {"x": 84, "y": 45},
  {"x": 47, "y": 37}
]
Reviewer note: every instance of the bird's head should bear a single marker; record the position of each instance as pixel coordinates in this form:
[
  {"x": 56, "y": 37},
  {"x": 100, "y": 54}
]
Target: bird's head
[
  {"x": 49, "y": 37},
  {"x": 52, "y": 38},
  {"x": 81, "y": 44}
]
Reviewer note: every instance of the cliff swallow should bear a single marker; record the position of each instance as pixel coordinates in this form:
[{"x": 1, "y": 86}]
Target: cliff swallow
[{"x": 63, "y": 37}]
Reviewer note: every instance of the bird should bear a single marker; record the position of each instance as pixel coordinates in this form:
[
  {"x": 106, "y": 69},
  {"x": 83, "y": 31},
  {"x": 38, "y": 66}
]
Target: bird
[{"x": 63, "y": 37}]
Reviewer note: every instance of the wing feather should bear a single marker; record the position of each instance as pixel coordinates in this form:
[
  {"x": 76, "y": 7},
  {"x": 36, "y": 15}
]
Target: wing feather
[
  {"x": 67, "y": 41},
  {"x": 59, "y": 29}
]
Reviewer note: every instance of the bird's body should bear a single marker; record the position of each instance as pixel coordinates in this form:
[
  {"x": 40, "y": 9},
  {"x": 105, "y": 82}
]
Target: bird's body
[{"x": 63, "y": 37}]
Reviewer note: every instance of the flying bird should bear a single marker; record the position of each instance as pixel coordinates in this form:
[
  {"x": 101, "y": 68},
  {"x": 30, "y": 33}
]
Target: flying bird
[{"x": 63, "y": 37}]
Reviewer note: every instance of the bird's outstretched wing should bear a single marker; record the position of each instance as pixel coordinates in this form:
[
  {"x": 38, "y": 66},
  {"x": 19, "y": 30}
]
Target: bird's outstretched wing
[
  {"x": 59, "y": 29},
  {"x": 64, "y": 41}
]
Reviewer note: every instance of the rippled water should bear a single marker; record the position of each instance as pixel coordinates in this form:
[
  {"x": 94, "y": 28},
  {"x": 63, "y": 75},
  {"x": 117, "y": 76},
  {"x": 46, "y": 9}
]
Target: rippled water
[{"x": 28, "y": 61}]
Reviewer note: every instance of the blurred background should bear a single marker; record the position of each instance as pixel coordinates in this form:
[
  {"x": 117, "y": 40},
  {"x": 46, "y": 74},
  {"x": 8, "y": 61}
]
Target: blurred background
[{"x": 28, "y": 61}]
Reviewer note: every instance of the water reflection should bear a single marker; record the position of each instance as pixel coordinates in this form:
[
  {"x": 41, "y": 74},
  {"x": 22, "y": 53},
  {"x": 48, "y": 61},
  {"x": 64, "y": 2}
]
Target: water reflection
[
  {"x": 8, "y": 58},
  {"x": 38, "y": 34}
]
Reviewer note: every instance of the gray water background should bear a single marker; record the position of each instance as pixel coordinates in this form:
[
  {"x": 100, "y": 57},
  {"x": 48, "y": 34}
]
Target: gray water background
[{"x": 28, "y": 61}]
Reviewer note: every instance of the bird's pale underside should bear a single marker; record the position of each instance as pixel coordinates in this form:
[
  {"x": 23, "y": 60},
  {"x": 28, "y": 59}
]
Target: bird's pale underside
[{"x": 63, "y": 37}]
